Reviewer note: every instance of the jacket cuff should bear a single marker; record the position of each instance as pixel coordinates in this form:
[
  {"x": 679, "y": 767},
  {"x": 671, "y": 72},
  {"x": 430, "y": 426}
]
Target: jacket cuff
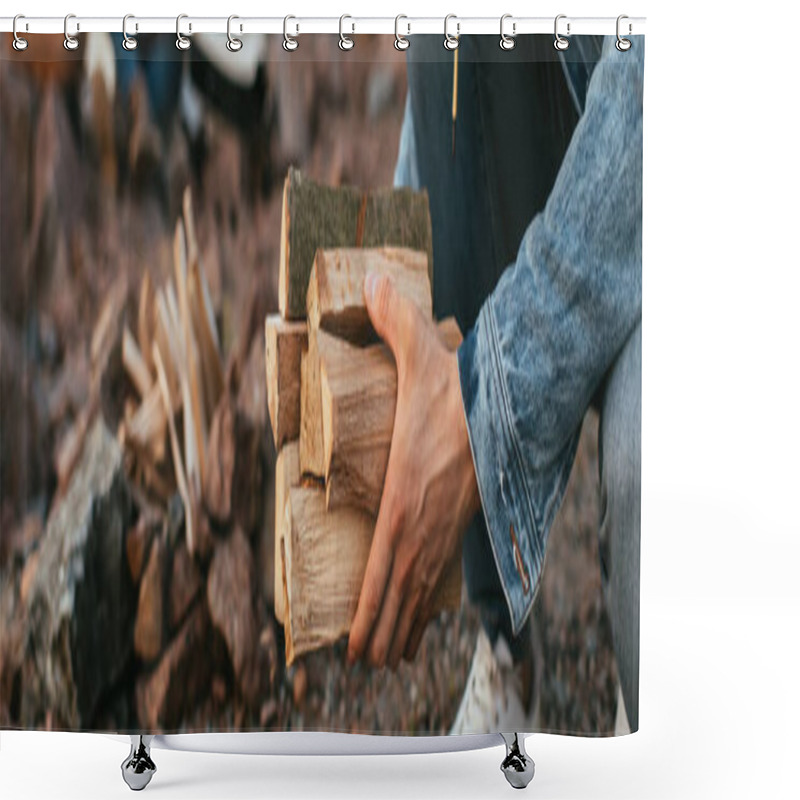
[{"x": 516, "y": 544}]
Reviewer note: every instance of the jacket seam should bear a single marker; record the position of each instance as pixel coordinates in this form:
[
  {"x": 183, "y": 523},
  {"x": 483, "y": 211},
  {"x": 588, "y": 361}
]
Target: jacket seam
[{"x": 517, "y": 455}]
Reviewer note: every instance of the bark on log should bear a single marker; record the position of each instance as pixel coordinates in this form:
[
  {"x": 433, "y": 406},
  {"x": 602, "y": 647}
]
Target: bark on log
[
  {"x": 326, "y": 556},
  {"x": 335, "y": 300},
  {"x": 285, "y": 343},
  {"x": 287, "y": 475},
  {"x": 358, "y": 394},
  {"x": 80, "y": 607},
  {"x": 317, "y": 216}
]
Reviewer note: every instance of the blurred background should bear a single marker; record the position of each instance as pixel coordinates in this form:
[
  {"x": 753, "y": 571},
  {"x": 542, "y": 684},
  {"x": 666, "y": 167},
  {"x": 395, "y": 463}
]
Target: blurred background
[{"x": 97, "y": 149}]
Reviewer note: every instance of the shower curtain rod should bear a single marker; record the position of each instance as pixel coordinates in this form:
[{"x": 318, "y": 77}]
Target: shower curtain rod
[{"x": 350, "y": 25}]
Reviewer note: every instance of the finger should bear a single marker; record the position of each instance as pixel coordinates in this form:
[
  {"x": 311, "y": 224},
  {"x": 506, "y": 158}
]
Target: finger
[
  {"x": 405, "y": 621},
  {"x": 373, "y": 587},
  {"x": 414, "y": 640},
  {"x": 381, "y": 638},
  {"x": 391, "y": 314},
  {"x": 370, "y": 599}
]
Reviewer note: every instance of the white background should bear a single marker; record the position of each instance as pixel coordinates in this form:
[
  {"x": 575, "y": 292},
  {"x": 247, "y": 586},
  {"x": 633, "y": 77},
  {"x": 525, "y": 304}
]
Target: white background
[{"x": 720, "y": 702}]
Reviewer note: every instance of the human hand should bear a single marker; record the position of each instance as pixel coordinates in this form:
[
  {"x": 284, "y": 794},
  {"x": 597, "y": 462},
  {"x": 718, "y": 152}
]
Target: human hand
[{"x": 430, "y": 492}]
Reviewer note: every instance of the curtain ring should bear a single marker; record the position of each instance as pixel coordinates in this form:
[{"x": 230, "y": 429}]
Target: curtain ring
[
  {"x": 450, "y": 41},
  {"x": 233, "y": 44},
  {"x": 129, "y": 42},
  {"x": 70, "y": 42},
  {"x": 401, "y": 42},
  {"x": 345, "y": 42},
  {"x": 19, "y": 43},
  {"x": 290, "y": 43},
  {"x": 182, "y": 42},
  {"x": 623, "y": 44},
  {"x": 560, "y": 42},
  {"x": 507, "y": 42}
]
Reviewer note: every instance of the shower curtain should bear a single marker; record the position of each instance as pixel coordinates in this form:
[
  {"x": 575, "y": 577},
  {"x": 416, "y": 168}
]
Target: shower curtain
[{"x": 320, "y": 384}]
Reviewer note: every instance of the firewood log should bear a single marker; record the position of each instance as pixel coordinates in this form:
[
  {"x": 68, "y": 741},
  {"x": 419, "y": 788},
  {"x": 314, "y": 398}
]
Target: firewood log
[
  {"x": 134, "y": 364},
  {"x": 325, "y": 557},
  {"x": 312, "y": 456},
  {"x": 285, "y": 343},
  {"x": 335, "y": 300},
  {"x": 358, "y": 394},
  {"x": 316, "y": 216},
  {"x": 287, "y": 476}
]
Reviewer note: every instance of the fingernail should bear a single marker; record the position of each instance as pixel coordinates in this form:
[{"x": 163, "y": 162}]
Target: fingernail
[{"x": 369, "y": 286}]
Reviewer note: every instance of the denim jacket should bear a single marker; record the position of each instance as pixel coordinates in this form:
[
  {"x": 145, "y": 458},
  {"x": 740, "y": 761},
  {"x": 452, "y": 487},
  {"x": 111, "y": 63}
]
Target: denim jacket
[{"x": 556, "y": 317}]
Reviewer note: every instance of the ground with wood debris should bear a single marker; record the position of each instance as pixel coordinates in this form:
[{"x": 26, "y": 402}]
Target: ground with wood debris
[{"x": 91, "y": 190}]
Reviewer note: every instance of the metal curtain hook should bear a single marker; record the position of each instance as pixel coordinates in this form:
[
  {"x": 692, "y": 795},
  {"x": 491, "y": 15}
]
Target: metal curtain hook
[
  {"x": 233, "y": 44},
  {"x": 182, "y": 42},
  {"x": 622, "y": 43},
  {"x": 400, "y": 41},
  {"x": 560, "y": 42},
  {"x": 19, "y": 44},
  {"x": 345, "y": 42},
  {"x": 450, "y": 41},
  {"x": 507, "y": 42},
  {"x": 290, "y": 43},
  {"x": 70, "y": 42},
  {"x": 129, "y": 42}
]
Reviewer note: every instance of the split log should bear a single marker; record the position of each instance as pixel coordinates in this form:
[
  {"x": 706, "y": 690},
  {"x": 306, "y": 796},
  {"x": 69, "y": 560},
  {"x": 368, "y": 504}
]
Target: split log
[
  {"x": 218, "y": 478},
  {"x": 400, "y": 217},
  {"x": 335, "y": 300},
  {"x": 194, "y": 419},
  {"x": 146, "y": 319},
  {"x": 134, "y": 363},
  {"x": 180, "y": 476},
  {"x": 146, "y": 429},
  {"x": 148, "y": 631},
  {"x": 313, "y": 216},
  {"x": 312, "y": 454},
  {"x": 317, "y": 216},
  {"x": 326, "y": 556},
  {"x": 230, "y": 592},
  {"x": 287, "y": 475},
  {"x": 358, "y": 395},
  {"x": 285, "y": 343},
  {"x": 163, "y": 696}
]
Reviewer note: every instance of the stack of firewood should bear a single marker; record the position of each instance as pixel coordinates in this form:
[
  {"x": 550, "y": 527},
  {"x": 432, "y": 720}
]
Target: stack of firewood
[{"x": 331, "y": 394}]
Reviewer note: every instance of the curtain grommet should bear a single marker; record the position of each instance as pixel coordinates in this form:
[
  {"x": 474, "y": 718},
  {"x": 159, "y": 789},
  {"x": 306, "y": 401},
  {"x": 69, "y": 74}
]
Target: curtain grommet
[
  {"x": 129, "y": 42},
  {"x": 290, "y": 43},
  {"x": 623, "y": 44},
  {"x": 18, "y": 43},
  {"x": 345, "y": 42},
  {"x": 233, "y": 44},
  {"x": 401, "y": 42},
  {"x": 182, "y": 42},
  {"x": 71, "y": 42},
  {"x": 450, "y": 40},
  {"x": 560, "y": 43},
  {"x": 507, "y": 42}
]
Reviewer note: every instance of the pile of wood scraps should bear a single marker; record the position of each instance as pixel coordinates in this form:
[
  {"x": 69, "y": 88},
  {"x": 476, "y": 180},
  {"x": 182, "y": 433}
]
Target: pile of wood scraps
[
  {"x": 175, "y": 365},
  {"x": 331, "y": 393}
]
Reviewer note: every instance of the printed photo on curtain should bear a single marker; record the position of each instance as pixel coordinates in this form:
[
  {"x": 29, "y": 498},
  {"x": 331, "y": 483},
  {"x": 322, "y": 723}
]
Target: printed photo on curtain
[{"x": 320, "y": 384}]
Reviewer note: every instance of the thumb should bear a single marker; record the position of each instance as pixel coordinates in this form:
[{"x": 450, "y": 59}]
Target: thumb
[{"x": 391, "y": 314}]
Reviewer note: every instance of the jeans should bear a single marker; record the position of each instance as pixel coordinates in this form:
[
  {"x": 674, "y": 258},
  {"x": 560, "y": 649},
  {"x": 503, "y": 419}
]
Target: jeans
[{"x": 537, "y": 252}]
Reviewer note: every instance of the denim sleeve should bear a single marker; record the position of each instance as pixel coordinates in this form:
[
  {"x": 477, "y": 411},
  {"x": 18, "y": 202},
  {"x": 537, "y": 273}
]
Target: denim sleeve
[{"x": 553, "y": 325}]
